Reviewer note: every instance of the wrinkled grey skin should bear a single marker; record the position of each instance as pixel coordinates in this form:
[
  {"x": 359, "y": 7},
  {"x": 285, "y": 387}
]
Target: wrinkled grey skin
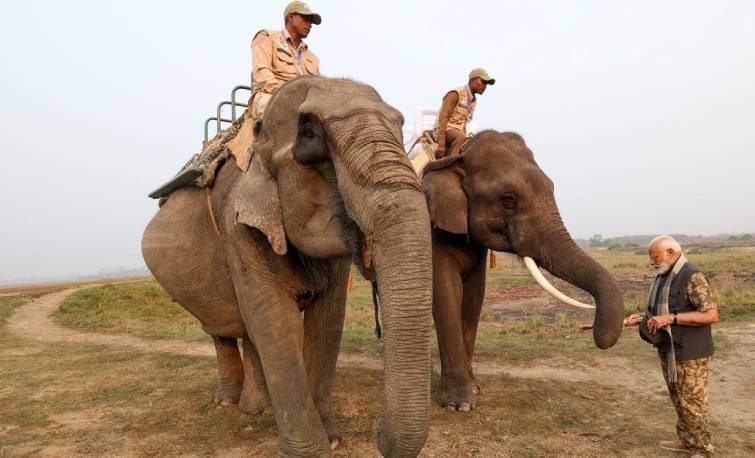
[
  {"x": 329, "y": 181},
  {"x": 494, "y": 196}
]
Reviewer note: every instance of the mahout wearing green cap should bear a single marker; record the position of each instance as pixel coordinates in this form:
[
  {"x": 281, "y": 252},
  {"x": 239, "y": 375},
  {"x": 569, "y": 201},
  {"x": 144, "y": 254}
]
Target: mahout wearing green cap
[
  {"x": 457, "y": 109},
  {"x": 302, "y": 9},
  {"x": 482, "y": 74}
]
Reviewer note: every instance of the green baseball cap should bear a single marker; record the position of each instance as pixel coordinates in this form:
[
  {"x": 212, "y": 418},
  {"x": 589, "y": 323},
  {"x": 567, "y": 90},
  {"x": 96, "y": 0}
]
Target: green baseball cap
[
  {"x": 302, "y": 9},
  {"x": 482, "y": 73}
]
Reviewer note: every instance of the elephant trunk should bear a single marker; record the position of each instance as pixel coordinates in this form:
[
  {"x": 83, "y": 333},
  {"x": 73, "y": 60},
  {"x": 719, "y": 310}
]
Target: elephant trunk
[
  {"x": 403, "y": 268},
  {"x": 564, "y": 259},
  {"x": 382, "y": 194}
]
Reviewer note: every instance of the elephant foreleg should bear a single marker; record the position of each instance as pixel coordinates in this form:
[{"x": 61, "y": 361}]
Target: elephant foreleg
[
  {"x": 266, "y": 285},
  {"x": 254, "y": 396},
  {"x": 273, "y": 320},
  {"x": 231, "y": 371},
  {"x": 454, "y": 392},
  {"x": 471, "y": 305},
  {"x": 277, "y": 330},
  {"x": 323, "y": 327}
]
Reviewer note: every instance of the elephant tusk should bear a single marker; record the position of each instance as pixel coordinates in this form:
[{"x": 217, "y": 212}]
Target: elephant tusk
[{"x": 550, "y": 289}]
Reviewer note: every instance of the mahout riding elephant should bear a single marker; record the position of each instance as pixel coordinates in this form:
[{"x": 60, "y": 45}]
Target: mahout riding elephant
[
  {"x": 494, "y": 196},
  {"x": 264, "y": 256}
]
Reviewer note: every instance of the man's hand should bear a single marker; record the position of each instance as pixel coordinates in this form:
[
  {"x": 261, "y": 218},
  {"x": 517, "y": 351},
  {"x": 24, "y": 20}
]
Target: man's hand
[
  {"x": 633, "y": 319},
  {"x": 658, "y": 322},
  {"x": 441, "y": 151}
]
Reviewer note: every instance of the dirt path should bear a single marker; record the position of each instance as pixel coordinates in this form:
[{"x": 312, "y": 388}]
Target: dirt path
[
  {"x": 33, "y": 320},
  {"x": 732, "y": 378}
]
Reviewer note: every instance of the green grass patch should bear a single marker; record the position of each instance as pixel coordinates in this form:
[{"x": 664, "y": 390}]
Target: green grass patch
[
  {"x": 737, "y": 302},
  {"x": 500, "y": 279},
  {"x": 144, "y": 309},
  {"x": 7, "y": 305},
  {"x": 140, "y": 308},
  {"x": 357, "y": 339},
  {"x": 740, "y": 260},
  {"x": 530, "y": 341}
]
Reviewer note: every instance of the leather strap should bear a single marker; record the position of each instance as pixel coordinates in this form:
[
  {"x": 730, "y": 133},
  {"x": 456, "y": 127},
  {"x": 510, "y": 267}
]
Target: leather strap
[{"x": 208, "y": 193}]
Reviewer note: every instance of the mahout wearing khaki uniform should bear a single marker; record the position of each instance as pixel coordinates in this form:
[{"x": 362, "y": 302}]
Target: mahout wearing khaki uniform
[
  {"x": 455, "y": 112},
  {"x": 457, "y": 109},
  {"x": 276, "y": 59}
]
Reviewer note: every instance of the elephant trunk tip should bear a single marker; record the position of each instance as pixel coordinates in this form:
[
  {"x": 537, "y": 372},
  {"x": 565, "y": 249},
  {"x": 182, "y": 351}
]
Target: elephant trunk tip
[
  {"x": 604, "y": 341},
  {"x": 609, "y": 319},
  {"x": 401, "y": 445}
]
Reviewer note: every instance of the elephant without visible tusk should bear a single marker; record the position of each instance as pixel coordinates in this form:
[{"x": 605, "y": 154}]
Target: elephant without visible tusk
[{"x": 534, "y": 270}]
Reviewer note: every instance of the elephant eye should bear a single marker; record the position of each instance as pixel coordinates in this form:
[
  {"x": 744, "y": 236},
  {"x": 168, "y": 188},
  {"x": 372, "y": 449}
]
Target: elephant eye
[{"x": 509, "y": 201}]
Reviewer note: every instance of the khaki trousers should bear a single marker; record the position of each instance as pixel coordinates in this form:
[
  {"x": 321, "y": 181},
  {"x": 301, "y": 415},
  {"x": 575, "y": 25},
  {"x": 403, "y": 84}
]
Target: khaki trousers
[{"x": 455, "y": 139}]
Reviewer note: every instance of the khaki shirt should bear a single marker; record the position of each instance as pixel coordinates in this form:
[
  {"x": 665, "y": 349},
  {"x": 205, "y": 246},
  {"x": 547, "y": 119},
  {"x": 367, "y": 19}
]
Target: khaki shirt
[{"x": 275, "y": 60}]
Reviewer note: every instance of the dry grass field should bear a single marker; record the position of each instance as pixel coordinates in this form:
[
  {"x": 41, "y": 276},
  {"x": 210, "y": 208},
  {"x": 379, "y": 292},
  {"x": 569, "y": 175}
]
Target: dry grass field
[{"x": 119, "y": 369}]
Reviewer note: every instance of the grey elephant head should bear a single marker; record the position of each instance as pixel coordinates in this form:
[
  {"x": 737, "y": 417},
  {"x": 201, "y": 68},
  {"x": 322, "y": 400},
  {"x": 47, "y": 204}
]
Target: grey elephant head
[
  {"x": 330, "y": 178},
  {"x": 495, "y": 193}
]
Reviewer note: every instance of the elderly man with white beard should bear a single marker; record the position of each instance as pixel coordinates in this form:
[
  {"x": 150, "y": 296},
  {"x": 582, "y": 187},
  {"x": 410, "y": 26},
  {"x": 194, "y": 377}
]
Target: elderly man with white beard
[{"x": 680, "y": 311}]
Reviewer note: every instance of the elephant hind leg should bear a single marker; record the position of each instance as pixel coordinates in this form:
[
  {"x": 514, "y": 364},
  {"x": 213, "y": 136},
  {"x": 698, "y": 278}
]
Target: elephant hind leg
[
  {"x": 254, "y": 395},
  {"x": 231, "y": 370}
]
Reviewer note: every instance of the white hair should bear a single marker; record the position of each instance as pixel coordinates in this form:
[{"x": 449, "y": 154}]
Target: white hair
[{"x": 665, "y": 242}]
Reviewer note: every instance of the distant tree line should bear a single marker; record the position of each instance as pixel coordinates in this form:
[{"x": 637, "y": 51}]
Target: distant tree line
[
  {"x": 740, "y": 237},
  {"x": 634, "y": 242},
  {"x": 597, "y": 241}
]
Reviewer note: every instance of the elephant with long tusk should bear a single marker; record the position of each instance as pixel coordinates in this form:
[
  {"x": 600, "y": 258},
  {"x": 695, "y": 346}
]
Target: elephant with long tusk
[
  {"x": 549, "y": 288},
  {"x": 494, "y": 196},
  {"x": 265, "y": 257}
]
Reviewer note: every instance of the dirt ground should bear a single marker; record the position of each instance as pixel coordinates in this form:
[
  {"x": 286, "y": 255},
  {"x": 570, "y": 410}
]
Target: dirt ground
[{"x": 67, "y": 392}]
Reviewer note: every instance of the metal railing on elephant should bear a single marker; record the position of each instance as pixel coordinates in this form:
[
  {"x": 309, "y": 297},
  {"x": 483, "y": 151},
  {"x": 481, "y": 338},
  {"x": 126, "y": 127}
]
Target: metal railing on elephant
[
  {"x": 218, "y": 118},
  {"x": 194, "y": 168}
]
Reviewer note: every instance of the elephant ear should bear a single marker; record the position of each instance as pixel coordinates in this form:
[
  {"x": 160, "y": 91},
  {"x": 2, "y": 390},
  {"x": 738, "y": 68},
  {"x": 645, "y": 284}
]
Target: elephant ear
[
  {"x": 443, "y": 182},
  {"x": 258, "y": 205}
]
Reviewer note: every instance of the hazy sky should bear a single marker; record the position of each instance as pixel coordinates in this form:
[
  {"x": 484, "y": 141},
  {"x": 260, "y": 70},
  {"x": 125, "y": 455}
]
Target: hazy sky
[{"x": 642, "y": 112}]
